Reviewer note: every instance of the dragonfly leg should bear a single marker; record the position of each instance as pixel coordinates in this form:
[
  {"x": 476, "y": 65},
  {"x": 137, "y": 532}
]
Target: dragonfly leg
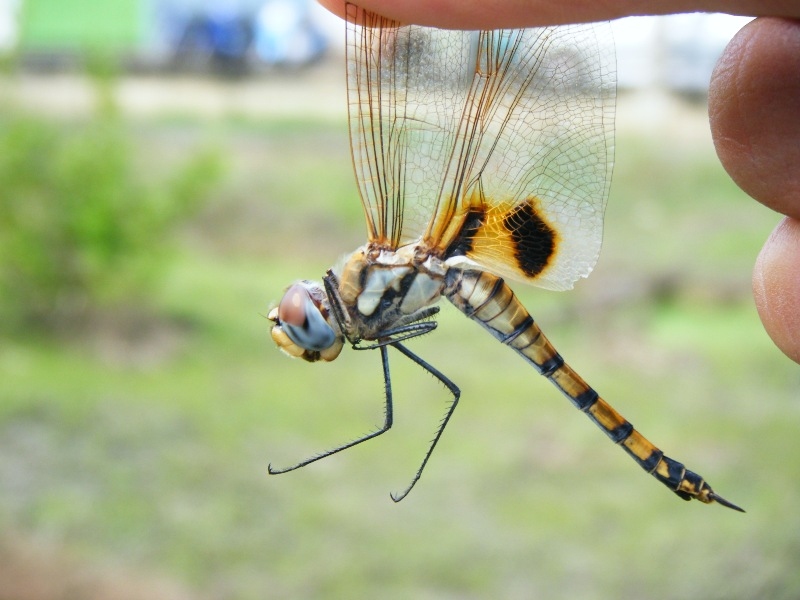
[
  {"x": 395, "y": 335},
  {"x": 387, "y": 423},
  {"x": 456, "y": 395}
]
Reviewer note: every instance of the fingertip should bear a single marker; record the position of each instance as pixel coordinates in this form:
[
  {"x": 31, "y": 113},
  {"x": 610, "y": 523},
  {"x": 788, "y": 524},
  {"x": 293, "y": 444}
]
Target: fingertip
[
  {"x": 337, "y": 7},
  {"x": 491, "y": 14},
  {"x": 776, "y": 287},
  {"x": 753, "y": 108}
]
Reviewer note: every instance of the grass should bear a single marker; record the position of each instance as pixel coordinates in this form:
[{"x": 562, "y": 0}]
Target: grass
[{"x": 150, "y": 450}]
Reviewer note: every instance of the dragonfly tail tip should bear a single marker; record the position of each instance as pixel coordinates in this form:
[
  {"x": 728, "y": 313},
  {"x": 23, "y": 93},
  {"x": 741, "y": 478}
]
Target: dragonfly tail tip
[{"x": 720, "y": 500}]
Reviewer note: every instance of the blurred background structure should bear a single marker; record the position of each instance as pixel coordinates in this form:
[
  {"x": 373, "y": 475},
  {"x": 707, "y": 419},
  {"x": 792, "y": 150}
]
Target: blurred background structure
[
  {"x": 244, "y": 36},
  {"x": 167, "y": 168},
  {"x": 186, "y": 35}
]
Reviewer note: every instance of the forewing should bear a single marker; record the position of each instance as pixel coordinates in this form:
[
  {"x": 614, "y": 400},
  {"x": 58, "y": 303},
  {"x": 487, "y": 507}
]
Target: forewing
[
  {"x": 531, "y": 165},
  {"x": 406, "y": 92}
]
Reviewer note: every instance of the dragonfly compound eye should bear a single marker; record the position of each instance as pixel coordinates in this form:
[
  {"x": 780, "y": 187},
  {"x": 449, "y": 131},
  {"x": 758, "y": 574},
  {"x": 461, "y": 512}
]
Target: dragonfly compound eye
[{"x": 301, "y": 320}]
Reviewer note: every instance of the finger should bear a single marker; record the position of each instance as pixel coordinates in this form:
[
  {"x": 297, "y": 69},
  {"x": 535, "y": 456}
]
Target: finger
[
  {"x": 776, "y": 287},
  {"x": 754, "y": 106},
  {"x": 487, "y": 14}
]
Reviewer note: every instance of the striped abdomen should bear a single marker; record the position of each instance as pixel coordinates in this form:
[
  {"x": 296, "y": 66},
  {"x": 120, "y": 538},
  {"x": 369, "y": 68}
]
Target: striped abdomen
[{"x": 487, "y": 299}]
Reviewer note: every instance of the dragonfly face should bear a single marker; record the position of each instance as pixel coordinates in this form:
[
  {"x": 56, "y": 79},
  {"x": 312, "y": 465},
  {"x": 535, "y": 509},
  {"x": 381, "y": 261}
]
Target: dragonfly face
[
  {"x": 480, "y": 157},
  {"x": 302, "y": 324}
]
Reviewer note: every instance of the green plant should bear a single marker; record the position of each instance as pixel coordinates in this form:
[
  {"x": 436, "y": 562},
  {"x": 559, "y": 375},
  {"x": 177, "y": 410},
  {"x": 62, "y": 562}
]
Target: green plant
[{"x": 81, "y": 229}]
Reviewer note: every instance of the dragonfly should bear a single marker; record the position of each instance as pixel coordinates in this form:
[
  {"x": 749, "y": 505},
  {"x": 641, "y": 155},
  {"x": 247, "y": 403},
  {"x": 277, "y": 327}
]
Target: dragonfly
[{"x": 481, "y": 157}]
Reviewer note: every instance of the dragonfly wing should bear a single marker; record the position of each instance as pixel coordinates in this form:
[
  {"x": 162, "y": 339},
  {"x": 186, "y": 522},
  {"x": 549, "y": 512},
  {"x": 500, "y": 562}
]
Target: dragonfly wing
[
  {"x": 406, "y": 89},
  {"x": 527, "y": 180}
]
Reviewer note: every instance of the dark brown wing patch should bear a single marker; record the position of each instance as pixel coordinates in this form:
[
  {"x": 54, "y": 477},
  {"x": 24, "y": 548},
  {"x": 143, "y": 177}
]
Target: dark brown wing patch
[
  {"x": 462, "y": 244},
  {"x": 534, "y": 240}
]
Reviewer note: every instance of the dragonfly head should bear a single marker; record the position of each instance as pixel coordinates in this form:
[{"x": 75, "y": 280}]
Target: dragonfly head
[{"x": 303, "y": 324}]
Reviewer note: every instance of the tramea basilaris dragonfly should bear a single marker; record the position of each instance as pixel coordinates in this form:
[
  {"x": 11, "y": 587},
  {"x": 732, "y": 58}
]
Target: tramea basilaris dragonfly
[{"x": 481, "y": 157}]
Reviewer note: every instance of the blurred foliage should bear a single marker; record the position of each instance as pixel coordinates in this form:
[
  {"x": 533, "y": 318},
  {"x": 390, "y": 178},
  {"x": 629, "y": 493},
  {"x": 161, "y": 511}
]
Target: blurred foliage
[
  {"x": 152, "y": 455},
  {"x": 81, "y": 24},
  {"x": 81, "y": 228}
]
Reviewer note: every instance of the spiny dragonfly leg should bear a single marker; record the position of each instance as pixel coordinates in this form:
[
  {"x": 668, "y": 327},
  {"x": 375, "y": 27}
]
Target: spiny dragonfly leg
[
  {"x": 387, "y": 424},
  {"x": 390, "y": 337},
  {"x": 456, "y": 395}
]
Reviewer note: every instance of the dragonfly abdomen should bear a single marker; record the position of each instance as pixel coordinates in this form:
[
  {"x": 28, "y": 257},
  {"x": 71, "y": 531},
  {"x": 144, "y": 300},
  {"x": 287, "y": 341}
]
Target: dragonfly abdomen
[{"x": 487, "y": 299}]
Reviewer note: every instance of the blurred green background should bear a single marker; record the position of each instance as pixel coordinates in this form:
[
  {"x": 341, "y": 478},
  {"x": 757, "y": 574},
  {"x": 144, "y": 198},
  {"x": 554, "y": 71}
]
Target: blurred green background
[{"x": 141, "y": 397}]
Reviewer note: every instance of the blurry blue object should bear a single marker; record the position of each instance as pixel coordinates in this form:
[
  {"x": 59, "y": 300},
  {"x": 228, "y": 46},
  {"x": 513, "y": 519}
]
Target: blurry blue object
[
  {"x": 230, "y": 34},
  {"x": 218, "y": 37},
  {"x": 286, "y": 35}
]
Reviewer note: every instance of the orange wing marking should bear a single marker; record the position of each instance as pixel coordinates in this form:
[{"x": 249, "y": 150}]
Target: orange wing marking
[{"x": 510, "y": 239}]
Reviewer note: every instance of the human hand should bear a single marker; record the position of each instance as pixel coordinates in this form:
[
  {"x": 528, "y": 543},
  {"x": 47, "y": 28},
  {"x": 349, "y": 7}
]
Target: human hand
[{"x": 754, "y": 107}]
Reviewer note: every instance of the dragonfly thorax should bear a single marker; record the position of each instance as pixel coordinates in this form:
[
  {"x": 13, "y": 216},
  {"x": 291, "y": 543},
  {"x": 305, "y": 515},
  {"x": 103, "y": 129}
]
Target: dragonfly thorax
[
  {"x": 378, "y": 290},
  {"x": 371, "y": 292}
]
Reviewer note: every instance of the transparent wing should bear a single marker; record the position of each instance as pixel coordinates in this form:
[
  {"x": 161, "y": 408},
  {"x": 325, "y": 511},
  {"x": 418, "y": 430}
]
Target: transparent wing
[
  {"x": 406, "y": 91},
  {"x": 534, "y": 154},
  {"x": 447, "y": 125}
]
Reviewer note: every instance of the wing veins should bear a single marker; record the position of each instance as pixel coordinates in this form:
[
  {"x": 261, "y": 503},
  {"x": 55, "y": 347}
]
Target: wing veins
[
  {"x": 498, "y": 118},
  {"x": 478, "y": 113}
]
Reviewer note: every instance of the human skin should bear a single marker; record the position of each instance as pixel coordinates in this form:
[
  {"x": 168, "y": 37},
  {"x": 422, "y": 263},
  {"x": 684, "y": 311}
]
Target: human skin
[{"x": 754, "y": 110}]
